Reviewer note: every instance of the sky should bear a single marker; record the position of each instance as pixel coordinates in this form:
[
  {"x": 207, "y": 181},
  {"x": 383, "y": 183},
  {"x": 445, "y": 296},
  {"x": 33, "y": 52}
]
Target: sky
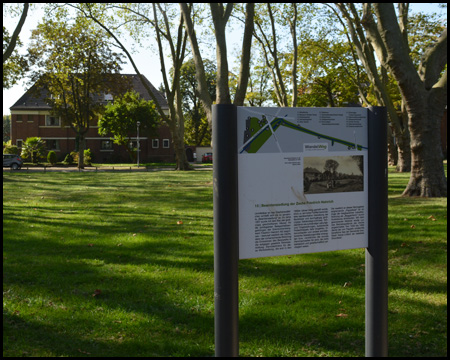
[{"x": 147, "y": 61}]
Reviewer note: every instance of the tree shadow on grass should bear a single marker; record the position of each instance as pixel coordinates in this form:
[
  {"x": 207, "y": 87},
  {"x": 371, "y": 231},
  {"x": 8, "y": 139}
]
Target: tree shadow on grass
[{"x": 163, "y": 278}]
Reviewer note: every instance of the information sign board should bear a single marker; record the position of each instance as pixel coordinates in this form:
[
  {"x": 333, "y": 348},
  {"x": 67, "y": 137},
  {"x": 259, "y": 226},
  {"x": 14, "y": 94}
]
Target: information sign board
[{"x": 303, "y": 180}]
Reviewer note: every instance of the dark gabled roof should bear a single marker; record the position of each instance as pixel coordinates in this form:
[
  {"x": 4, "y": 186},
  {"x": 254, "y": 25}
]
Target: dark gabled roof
[
  {"x": 32, "y": 100},
  {"x": 139, "y": 87},
  {"x": 35, "y": 99}
]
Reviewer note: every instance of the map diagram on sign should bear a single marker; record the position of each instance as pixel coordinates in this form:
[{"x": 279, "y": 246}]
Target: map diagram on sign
[{"x": 266, "y": 133}]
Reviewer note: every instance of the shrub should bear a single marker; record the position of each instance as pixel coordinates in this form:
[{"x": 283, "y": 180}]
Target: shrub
[
  {"x": 87, "y": 157},
  {"x": 68, "y": 160},
  {"x": 33, "y": 148},
  {"x": 11, "y": 149},
  {"x": 74, "y": 155},
  {"x": 51, "y": 157}
]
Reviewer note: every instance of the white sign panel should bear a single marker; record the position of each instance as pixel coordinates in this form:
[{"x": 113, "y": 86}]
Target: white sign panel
[{"x": 302, "y": 180}]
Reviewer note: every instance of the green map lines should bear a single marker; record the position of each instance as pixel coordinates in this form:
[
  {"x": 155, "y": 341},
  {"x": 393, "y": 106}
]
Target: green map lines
[{"x": 258, "y": 131}]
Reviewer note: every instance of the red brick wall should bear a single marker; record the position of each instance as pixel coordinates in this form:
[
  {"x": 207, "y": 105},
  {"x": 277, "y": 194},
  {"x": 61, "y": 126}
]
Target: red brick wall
[{"x": 34, "y": 125}]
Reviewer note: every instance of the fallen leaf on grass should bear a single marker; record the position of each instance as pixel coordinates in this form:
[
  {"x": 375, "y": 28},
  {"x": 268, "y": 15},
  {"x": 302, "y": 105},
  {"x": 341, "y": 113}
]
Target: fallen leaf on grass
[
  {"x": 90, "y": 245},
  {"x": 432, "y": 218},
  {"x": 179, "y": 222},
  {"x": 413, "y": 226},
  {"x": 342, "y": 315},
  {"x": 97, "y": 292}
]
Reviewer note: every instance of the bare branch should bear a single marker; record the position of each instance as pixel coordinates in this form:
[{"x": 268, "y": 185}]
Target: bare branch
[{"x": 15, "y": 35}]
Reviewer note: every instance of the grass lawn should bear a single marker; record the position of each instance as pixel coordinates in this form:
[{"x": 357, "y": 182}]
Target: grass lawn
[{"x": 121, "y": 264}]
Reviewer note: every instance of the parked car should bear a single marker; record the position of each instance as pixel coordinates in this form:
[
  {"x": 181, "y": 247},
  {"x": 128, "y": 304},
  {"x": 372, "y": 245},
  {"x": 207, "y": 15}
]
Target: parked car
[
  {"x": 13, "y": 161},
  {"x": 207, "y": 157}
]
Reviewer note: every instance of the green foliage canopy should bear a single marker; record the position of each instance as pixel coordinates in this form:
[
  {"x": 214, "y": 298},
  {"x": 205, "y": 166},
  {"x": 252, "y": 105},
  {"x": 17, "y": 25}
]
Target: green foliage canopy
[
  {"x": 73, "y": 60},
  {"x": 120, "y": 118}
]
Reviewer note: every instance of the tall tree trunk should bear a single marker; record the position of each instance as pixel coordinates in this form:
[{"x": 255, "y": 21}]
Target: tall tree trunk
[
  {"x": 244, "y": 71},
  {"x": 404, "y": 153},
  {"x": 202, "y": 85},
  {"x": 220, "y": 17},
  {"x": 427, "y": 171},
  {"x": 81, "y": 148},
  {"x": 392, "y": 149},
  {"x": 404, "y": 143},
  {"x": 424, "y": 93},
  {"x": 180, "y": 153}
]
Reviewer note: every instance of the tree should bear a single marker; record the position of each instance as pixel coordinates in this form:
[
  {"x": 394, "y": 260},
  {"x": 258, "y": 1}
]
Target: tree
[
  {"x": 424, "y": 91},
  {"x": 10, "y": 43},
  {"x": 78, "y": 68},
  {"x": 14, "y": 65},
  {"x": 6, "y": 128},
  {"x": 258, "y": 85},
  {"x": 331, "y": 165},
  {"x": 33, "y": 148},
  {"x": 120, "y": 119},
  {"x": 220, "y": 17},
  {"x": 365, "y": 53},
  {"x": 328, "y": 75},
  {"x": 137, "y": 17},
  {"x": 358, "y": 159},
  {"x": 197, "y": 131},
  {"x": 274, "y": 23}
]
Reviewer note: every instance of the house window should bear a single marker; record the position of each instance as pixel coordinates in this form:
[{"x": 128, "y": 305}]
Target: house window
[
  {"x": 166, "y": 143},
  {"x": 19, "y": 143},
  {"x": 155, "y": 143},
  {"x": 52, "y": 121},
  {"x": 52, "y": 145},
  {"x": 107, "y": 145},
  {"x": 19, "y": 118},
  {"x": 108, "y": 97}
]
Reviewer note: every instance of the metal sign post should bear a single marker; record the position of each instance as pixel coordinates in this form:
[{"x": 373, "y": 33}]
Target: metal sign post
[
  {"x": 377, "y": 252},
  {"x": 226, "y": 242}
]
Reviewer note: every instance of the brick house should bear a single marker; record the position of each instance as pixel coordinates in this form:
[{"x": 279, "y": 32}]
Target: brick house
[{"x": 30, "y": 116}]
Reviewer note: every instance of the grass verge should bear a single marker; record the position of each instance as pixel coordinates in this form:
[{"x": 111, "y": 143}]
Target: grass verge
[{"x": 121, "y": 264}]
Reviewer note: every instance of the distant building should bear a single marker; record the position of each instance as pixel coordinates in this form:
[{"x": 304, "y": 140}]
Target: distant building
[{"x": 31, "y": 116}]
